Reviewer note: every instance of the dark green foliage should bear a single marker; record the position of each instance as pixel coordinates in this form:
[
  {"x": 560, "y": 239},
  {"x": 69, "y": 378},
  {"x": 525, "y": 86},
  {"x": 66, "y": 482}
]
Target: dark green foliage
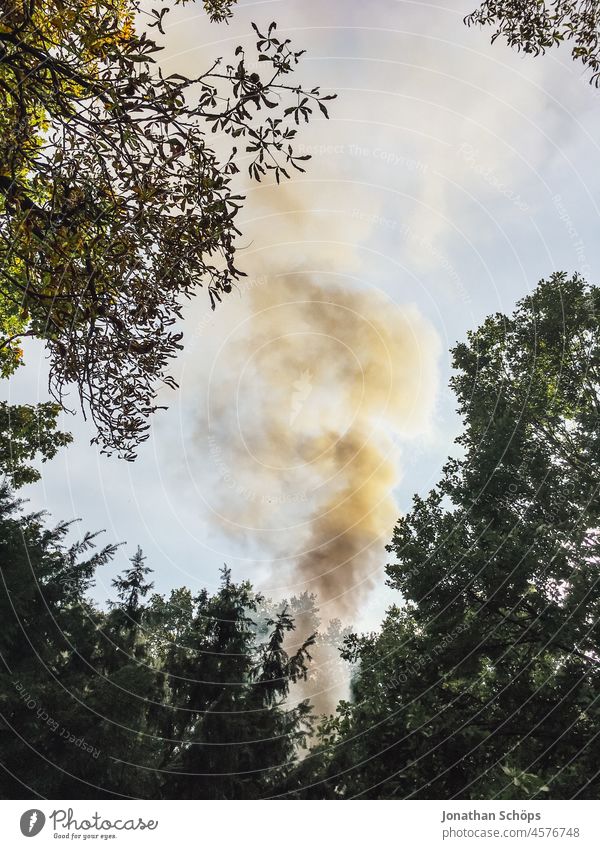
[
  {"x": 487, "y": 682},
  {"x": 28, "y": 431},
  {"x": 47, "y": 645},
  {"x": 176, "y": 697},
  {"x": 131, "y": 587},
  {"x": 219, "y": 10},
  {"x": 535, "y": 26},
  {"x": 483, "y": 682},
  {"x": 238, "y": 740},
  {"x": 114, "y": 207}
]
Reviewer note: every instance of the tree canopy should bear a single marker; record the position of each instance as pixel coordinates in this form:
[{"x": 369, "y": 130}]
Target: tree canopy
[
  {"x": 28, "y": 432},
  {"x": 485, "y": 681},
  {"x": 172, "y": 697},
  {"x": 114, "y": 206},
  {"x": 534, "y": 27}
]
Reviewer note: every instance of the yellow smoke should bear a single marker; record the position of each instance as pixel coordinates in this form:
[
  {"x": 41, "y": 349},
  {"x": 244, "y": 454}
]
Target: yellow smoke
[
  {"x": 316, "y": 386},
  {"x": 307, "y": 398}
]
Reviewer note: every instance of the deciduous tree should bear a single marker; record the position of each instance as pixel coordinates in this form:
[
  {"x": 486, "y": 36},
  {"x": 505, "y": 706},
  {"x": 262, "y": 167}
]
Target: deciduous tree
[
  {"x": 114, "y": 206},
  {"x": 485, "y": 682},
  {"x": 535, "y": 27}
]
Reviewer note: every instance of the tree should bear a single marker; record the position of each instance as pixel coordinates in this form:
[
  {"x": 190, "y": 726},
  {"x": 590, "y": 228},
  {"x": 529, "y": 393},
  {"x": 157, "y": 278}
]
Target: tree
[
  {"x": 535, "y": 27},
  {"x": 233, "y": 735},
  {"x": 47, "y": 644},
  {"x": 171, "y": 697},
  {"x": 132, "y": 587},
  {"x": 328, "y": 672},
  {"x": 486, "y": 681},
  {"x": 114, "y": 209},
  {"x": 26, "y": 431}
]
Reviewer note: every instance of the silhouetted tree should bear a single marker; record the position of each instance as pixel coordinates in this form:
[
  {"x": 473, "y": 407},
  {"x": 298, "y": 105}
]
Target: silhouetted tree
[
  {"x": 131, "y": 586},
  {"x": 535, "y": 27},
  {"x": 28, "y": 432},
  {"x": 486, "y": 681},
  {"x": 235, "y": 736},
  {"x": 172, "y": 697},
  {"x": 48, "y": 645},
  {"x": 113, "y": 206}
]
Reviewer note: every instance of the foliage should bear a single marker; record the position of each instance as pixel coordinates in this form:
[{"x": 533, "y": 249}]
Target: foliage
[
  {"x": 238, "y": 739},
  {"x": 114, "y": 208},
  {"x": 131, "y": 586},
  {"x": 486, "y": 682},
  {"x": 535, "y": 26},
  {"x": 218, "y": 10},
  {"x": 27, "y": 431},
  {"x": 173, "y": 697}
]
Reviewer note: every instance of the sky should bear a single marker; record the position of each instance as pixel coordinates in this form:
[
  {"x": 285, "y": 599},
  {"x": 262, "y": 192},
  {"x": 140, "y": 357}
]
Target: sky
[{"x": 451, "y": 177}]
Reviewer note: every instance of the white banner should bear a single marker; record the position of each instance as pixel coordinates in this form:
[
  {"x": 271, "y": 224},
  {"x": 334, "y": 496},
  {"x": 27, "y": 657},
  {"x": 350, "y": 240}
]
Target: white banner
[{"x": 298, "y": 824}]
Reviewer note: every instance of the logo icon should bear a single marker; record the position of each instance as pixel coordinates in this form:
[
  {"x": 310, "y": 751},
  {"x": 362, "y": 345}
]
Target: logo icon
[
  {"x": 302, "y": 389},
  {"x": 32, "y": 822}
]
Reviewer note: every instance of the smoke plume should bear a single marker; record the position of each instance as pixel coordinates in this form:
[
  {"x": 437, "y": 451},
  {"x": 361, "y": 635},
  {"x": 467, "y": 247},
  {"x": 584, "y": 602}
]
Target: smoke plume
[{"x": 316, "y": 382}]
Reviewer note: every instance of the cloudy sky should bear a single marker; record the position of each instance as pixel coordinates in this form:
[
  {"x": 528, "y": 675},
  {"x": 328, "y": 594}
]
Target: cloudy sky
[{"x": 451, "y": 177}]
